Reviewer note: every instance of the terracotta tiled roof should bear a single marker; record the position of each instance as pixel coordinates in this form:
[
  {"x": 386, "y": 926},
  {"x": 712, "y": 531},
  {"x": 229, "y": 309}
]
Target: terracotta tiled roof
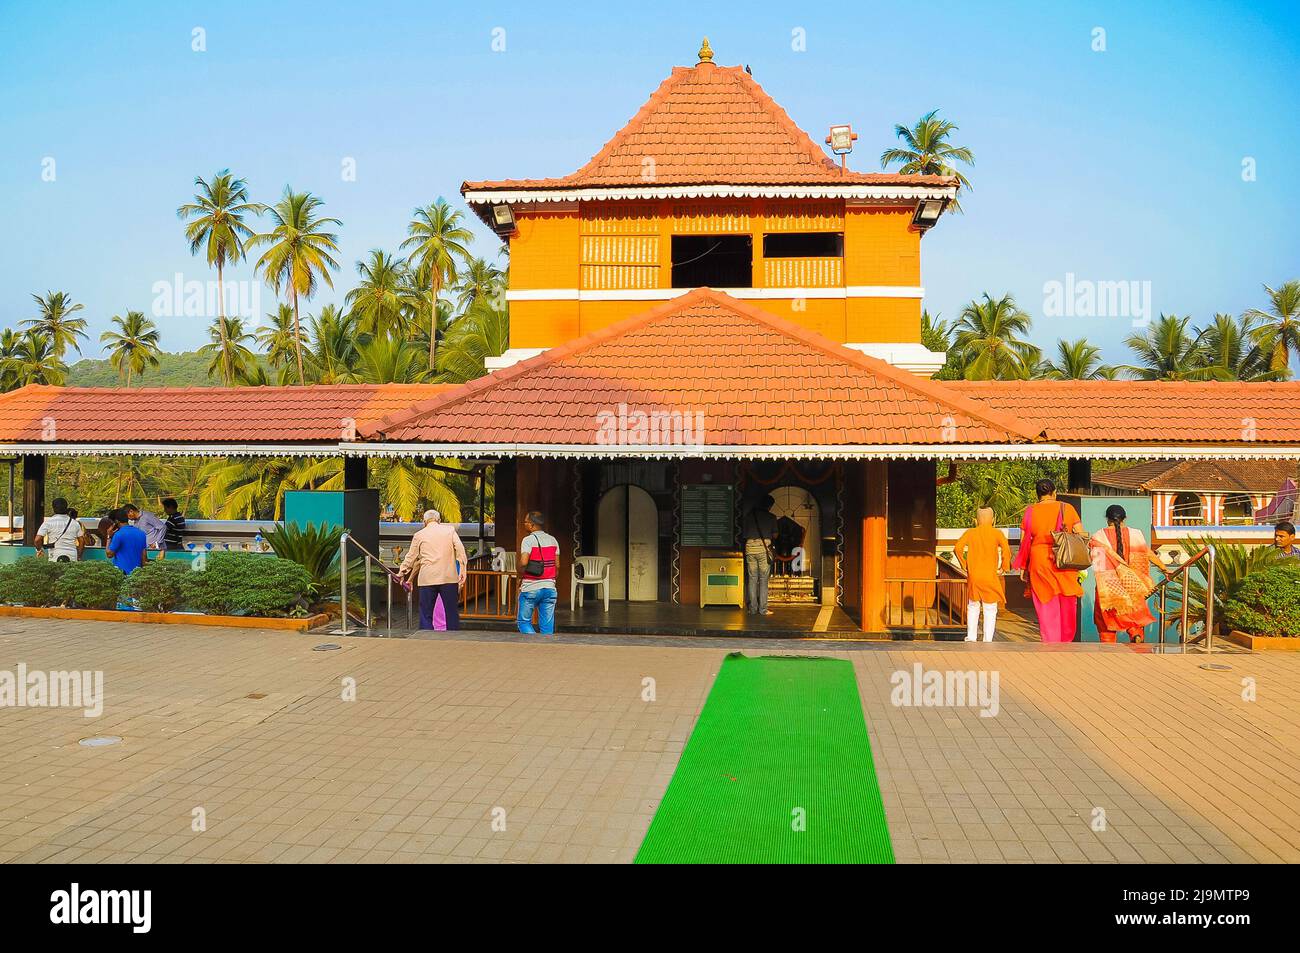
[
  {"x": 314, "y": 413},
  {"x": 1227, "y": 476},
  {"x": 1160, "y": 412},
  {"x": 710, "y": 125},
  {"x": 757, "y": 379}
]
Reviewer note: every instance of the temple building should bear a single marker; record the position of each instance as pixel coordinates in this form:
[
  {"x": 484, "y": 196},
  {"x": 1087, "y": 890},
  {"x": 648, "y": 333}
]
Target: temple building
[{"x": 710, "y": 311}]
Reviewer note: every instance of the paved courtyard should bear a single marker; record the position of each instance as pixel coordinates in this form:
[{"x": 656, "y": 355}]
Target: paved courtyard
[{"x": 496, "y": 749}]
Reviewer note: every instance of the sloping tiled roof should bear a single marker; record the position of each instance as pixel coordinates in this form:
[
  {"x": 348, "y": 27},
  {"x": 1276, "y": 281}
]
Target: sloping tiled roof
[
  {"x": 1161, "y": 412},
  {"x": 757, "y": 379},
  {"x": 708, "y": 124},
  {"x": 1225, "y": 476},
  {"x": 112, "y": 415}
]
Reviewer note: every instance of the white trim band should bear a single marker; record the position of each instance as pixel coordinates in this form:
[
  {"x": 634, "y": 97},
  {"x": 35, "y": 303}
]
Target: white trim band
[
  {"x": 743, "y": 294},
  {"x": 55, "y": 449},
  {"x": 612, "y": 193}
]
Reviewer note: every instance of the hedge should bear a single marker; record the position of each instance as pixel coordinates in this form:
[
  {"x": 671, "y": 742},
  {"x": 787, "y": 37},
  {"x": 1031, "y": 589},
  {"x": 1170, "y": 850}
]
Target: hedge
[
  {"x": 158, "y": 585},
  {"x": 247, "y": 584},
  {"x": 30, "y": 581},
  {"x": 94, "y": 584},
  {"x": 1266, "y": 602}
]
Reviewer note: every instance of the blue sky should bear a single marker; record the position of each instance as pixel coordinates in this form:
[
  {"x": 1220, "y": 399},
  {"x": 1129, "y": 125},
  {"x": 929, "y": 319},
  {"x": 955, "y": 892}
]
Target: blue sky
[{"x": 1122, "y": 165}]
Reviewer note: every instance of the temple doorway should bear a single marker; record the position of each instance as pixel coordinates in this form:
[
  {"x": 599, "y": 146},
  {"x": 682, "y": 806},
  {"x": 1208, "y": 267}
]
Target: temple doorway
[{"x": 628, "y": 534}]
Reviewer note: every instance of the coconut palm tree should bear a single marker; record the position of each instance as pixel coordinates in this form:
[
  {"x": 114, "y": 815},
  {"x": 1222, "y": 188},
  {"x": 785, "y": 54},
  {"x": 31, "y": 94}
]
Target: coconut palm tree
[
  {"x": 437, "y": 241},
  {"x": 481, "y": 280},
  {"x": 376, "y": 303},
  {"x": 480, "y": 333},
  {"x": 253, "y": 488},
  {"x": 1075, "y": 361},
  {"x": 215, "y": 224},
  {"x": 1230, "y": 355},
  {"x": 990, "y": 342},
  {"x": 299, "y": 254},
  {"x": 276, "y": 337},
  {"x": 133, "y": 347},
  {"x": 1277, "y": 330},
  {"x": 333, "y": 350},
  {"x": 34, "y": 361},
  {"x": 56, "y": 323},
  {"x": 388, "y": 360},
  {"x": 926, "y": 151},
  {"x": 228, "y": 347},
  {"x": 1167, "y": 351},
  {"x": 8, "y": 346}
]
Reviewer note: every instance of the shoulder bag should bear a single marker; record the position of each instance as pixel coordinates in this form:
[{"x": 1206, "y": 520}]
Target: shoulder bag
[{"x": 1069, "y": 550}]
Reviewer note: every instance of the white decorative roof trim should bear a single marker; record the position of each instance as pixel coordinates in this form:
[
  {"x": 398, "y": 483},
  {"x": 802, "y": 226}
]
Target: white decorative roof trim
[
  {"x": 55, "y": 449},
  {"x": 667, "y": 294},
  {"x": 614, "y": 193}
]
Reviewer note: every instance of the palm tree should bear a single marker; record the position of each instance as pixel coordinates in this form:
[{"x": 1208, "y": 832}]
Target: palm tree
[
  {"x": 480, "y": 333},
  {"x": 388, "y": 360},
  {"x": 1075, "y": 361},
  {"x": 333, "y": 350},
  {"x": 277, "y": 337},
  {"x": 480, "y": 281},
  {"x": 55, "y": 321},
  {"x": 1229, "y": 354},
  {"x": 133, "y": 346},
  {"x": 1278, "y": 330},
  {"x": 253, "y": 488},
  {"x": 927, "y": 151},
  {"x": 376, "y": 302},
  {"x": 228, "y": 346},
  {"x": 299, "y": 255},
  {"x": 34, "y": 361},
  {"x": 437, "y": 240},
  {"x": 8, "y": 348},
  {"x": 216, "y": 225},
  {"x": 990, "y": 340},
  {"x": 1167, "y": 352}
]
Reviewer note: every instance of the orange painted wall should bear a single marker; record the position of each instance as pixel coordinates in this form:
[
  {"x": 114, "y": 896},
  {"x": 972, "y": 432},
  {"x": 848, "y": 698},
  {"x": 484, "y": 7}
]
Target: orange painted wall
[{"x": 623, "y": 246}]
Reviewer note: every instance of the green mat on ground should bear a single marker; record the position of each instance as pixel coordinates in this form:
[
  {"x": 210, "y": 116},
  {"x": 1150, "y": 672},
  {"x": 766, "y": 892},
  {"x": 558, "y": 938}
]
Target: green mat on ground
[{"x": 780, "y": 745}]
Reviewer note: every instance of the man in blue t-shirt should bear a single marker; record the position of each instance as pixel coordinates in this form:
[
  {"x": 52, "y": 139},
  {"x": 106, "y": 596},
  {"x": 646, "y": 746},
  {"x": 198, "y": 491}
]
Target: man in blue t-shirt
[{"x": 127, "y": 544}]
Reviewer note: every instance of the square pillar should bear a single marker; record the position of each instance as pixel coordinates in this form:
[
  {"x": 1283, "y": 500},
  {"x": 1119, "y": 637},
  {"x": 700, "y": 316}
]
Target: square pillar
[
  {"x": 33, "y": 496},
  {"x": 875, "y": 544}
]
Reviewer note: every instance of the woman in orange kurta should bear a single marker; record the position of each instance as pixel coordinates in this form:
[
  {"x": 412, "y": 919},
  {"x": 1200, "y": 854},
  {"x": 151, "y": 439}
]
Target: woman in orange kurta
[
  {"x": 1055, "y": 591},
  {"x": 982, "y": 552}
]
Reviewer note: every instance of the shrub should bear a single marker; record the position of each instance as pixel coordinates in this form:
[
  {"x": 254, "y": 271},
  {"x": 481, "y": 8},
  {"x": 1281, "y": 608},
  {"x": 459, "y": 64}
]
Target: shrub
[
  {"x": 156, "y": 586},
  {"x": 316, "y": 548},
  {"x": 94, "y": 584},
  {"x": 30, "y": 581},
  {"x": 246, "y": 584},
  {"x": 1266, "y": 602}
]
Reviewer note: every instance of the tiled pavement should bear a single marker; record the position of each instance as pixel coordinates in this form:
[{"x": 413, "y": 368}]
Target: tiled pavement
[{"x": 445, "y": 736}]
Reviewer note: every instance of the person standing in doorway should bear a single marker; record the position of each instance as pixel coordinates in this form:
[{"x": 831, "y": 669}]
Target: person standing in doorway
[
  {"x": 758, "y": 530},
  {"x": 1056, "y": 592},
  {"x": 539, "y": 561},
  {"x": 62, "y": 534},
  {"x": 437, "y": 560},
  {"x": 984, "y": 554}
]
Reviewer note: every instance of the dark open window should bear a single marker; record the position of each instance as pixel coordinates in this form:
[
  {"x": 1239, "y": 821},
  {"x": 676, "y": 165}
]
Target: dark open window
[
  {"x": 804, "y": 245},
  {"x": 714, "y": 261}
]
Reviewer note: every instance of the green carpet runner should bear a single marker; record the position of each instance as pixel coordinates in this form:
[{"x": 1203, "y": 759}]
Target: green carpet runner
[{"x": 777, "y": 770}]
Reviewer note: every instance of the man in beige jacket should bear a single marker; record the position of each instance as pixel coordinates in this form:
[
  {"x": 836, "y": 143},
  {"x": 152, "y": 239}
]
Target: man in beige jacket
[{"x": 437, "y": 557}]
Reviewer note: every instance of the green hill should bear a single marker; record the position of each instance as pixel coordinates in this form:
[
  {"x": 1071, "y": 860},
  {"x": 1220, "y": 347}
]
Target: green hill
[{"x": 183, "y": 369}]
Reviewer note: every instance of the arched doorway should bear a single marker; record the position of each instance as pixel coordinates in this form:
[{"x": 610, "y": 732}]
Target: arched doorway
[
  {"x": 627, "y": 523},
  {"x": 798, "y": 504}
]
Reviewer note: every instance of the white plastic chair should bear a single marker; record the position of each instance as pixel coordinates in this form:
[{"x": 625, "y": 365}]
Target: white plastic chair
[
  {"x": 508, "y": 563},
  {"x": 595, "y": 572}
]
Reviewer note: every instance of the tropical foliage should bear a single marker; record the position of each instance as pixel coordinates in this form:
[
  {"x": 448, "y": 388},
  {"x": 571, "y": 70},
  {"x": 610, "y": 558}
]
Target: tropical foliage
[{"x": 926, "y": 150}]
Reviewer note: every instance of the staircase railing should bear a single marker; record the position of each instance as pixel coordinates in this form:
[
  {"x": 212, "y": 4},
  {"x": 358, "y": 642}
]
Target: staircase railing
[
  {"x": 1205, "y": 557},
  {"x": 390, "y": 576}
]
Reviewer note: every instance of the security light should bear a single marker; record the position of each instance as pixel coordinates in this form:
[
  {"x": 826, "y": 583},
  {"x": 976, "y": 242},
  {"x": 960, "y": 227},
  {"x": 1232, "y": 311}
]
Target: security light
[
  {"x": 927, "y": 213},
  {"x": 841, "y": 139},
  {"x": 503, "y": 219}
]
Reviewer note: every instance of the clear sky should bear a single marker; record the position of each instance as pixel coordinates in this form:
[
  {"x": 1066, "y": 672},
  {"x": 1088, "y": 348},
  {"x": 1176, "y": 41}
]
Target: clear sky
[{"x": 1117, "y": 165}]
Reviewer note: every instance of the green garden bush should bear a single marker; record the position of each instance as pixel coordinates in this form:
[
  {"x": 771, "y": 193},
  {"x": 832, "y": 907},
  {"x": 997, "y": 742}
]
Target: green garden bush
[
  {"x": 94, "y": 584},
  {"x": 30, "y": 581},
  {"x": 247, "y": 584},
  {"x": 1266, "y": 602},
  {"x": 157, "y": 585}
]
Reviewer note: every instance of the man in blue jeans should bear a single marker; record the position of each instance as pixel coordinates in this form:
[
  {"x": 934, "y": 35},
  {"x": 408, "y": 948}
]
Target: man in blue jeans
[{"x": 539, "y": 557}]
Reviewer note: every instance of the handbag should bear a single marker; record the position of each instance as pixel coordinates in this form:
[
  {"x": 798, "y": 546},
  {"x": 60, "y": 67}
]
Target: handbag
[{"x": 1069, "y": 550}]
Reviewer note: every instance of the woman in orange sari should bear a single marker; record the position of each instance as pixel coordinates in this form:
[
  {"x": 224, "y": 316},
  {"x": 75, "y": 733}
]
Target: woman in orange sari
[
  {"x": 1055, "y": 591},
  {"x": 1121, "y": 601}
]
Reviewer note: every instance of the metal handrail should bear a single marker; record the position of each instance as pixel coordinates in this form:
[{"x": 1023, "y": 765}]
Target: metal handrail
[
  {"x": 390, "y": 575},
  {"x": 1184, "y": 570}
]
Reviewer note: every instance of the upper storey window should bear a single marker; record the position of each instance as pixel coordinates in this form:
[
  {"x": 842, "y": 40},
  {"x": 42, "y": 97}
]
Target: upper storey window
[
  {"x": 713, "y": 261},
  {"x": 804, "y": 245}
]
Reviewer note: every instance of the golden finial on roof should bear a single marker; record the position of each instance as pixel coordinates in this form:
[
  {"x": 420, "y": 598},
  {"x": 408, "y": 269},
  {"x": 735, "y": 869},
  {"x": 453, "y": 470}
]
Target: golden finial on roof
[{"x": 706, "y": 52}]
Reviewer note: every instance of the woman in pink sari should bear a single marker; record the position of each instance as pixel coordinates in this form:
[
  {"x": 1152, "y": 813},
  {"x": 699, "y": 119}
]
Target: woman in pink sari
[
  {"x": 1055, "y": 591},
  {"x": 1121, "y": 600}
]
